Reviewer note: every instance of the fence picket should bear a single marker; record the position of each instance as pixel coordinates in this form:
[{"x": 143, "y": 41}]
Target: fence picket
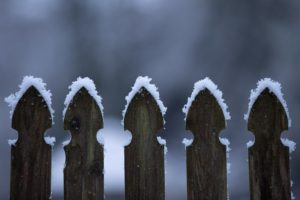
[
  {"x": 30, "y": 155},
  {"x": 268, "y": 158},
  {"x": 206, "y": 156},
  {"x": 144, "y": 156},
  {"x": 83, "y": 173},
  {"x": 206, "y": 112}
]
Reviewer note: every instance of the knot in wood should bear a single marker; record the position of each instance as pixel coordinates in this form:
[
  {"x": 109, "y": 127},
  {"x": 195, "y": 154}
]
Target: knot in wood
[{"x": 75, "y": 124}]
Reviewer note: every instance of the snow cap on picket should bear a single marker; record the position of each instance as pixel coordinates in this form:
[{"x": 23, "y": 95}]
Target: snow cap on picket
[
  {"x": 39, "y": 85},
  {"x": 213, "y": 88},
  {"x": 275, "y": 88},
  {"x": 89, "y": 85},
  {"x": 144, "y": 81}
]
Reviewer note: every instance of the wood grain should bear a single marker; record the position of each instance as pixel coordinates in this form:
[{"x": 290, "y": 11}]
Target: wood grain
[
  {"x": 83, "y": 173},
  {"x": 268, "y": 158},
  {"x": 206, "y": 156},
  {"x": 31, "y": 156},
  {"x": 144, "y": 156}
]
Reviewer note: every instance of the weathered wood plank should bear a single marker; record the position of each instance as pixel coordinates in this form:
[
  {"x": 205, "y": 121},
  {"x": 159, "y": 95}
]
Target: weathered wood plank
[
  {"x": 83, "y": 173},
  {"x": 268, "y": 158},
  {"x": 206, "y": 156},
  {"x": 144, "y": 156},
  {"x": 31, "y": 156}
]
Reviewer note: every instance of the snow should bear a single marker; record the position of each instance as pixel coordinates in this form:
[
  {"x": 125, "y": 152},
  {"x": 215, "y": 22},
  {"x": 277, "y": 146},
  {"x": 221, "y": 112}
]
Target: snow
[
  {"x": 128, "y": 139},
  {"x": 226, "y": 142},
  {"x": 144, "y": 81},
  {"x": 27, "y": 82},
  {"x": 89, "y": 85},
  {"x": 50, "y": 140},
  {"x": 12, "y": 142},
  {"x": 289, "y": 143},
  {"x": 187, "y": 142},
  {"x": 163, "y": 142},
  {"x": 285, "y": 142},
  {"x": 66, "y": 142},
  {"x": 250, "y": 143},
  {"x": 100, "y": 138},
  {"x": 213, "y": 88},
  {"x": 292, "y": 194},
  {"x": 13, "y": 99},
  {"x": 275, "y": 88}
]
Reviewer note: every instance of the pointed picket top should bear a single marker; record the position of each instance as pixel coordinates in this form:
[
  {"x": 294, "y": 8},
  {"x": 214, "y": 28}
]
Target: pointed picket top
[
  {"x": 267, "y": 112},
  {"x": 274, "y": 88},
  {"x": 83, "y": 173},
  {"x": 144, "y": 156},
  {"x": 73, "y": 111},
  {"x": 269, "y": 154},
  {"x": 28, "y": 82},
  {"x": 205, "y": 89},
  {"x": 204, "y": 84},
  {"x": 32, "y": 102},
  {"x": 77, "y": 85},
  {"x": 31, "y": 116},
  {"x": 143, "y": 83},
  {"x": 32, "y": 97},
  {"x": 206, "y": 115}
]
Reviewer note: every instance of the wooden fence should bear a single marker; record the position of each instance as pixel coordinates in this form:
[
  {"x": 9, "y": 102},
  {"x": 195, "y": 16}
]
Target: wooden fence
[{"x": 269, "y": 168}]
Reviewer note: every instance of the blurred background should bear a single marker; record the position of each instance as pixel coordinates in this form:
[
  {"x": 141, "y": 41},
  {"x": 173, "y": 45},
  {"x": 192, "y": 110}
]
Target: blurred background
[{"x": 178, "y": 42}]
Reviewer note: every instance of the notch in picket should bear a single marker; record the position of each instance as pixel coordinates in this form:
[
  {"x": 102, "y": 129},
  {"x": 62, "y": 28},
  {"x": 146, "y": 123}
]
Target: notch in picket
[
  {"x": 269, "y": 167},
  {"x": 206, "y": 115},
  {"x": 32, "y": 115},
  {"x": 83, "y": 172},
  {"x": 144, "y": 156}
]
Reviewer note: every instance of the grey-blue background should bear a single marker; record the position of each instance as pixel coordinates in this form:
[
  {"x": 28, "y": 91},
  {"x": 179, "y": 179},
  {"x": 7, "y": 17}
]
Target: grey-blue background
[{"x": 234, "y": 42}]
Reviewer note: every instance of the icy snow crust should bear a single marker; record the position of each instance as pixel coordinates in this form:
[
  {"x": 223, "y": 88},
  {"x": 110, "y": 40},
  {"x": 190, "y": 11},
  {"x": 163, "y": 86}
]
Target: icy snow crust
[
  {"x": 27, "y": 82},
  {"x": 89, "y": 85},
  {"x": 213, "y": 88},
  {"x": 274, "y": 88},
  {"x": 144, "y": 81}
]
